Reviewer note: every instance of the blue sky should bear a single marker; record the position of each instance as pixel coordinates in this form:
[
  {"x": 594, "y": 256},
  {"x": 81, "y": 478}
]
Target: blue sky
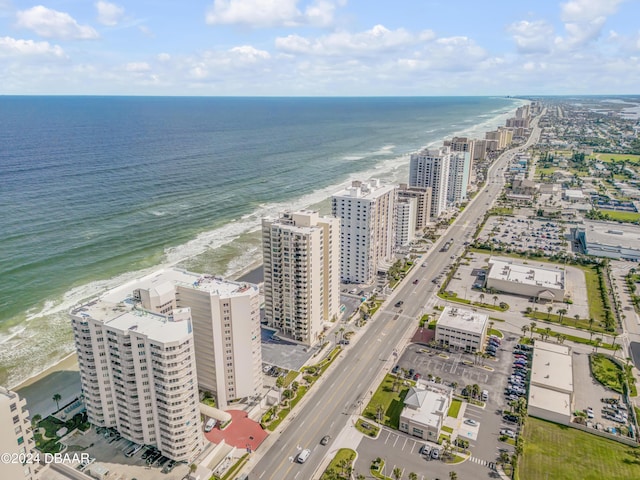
[{"x": 320, "y": 47}]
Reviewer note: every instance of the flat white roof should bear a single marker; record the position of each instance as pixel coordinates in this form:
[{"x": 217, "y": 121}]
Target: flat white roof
[
  {"x": 550, "y": 400},
  {"x": 613, "y": 234},
  {"x": 159, "y": 328},
  {"x": 432, "y": 406},
  {"x": 365, "y": 190},
  {"x": 543, "y": 277},
  {"x": 552, "y": 370},
  {"x": 462, "y": 319},
  {"x": 552, "y": 347}
]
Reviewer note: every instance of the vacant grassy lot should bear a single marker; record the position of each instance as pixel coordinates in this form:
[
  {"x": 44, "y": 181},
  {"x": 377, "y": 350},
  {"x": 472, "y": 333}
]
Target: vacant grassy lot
[
  {"x": 615, "y": 157},
  {"x": 628, "y": 217},
  {"x": 606, "y": 371},
  {"x": 454, "y": 409},
  {"x": 389, "y": 401},
  {"x": 561, "y": 453},
  {"x": 596, "y": 307}
]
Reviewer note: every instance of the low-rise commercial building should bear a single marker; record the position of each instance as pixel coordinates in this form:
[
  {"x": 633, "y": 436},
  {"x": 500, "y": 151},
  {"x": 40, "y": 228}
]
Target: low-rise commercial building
[
  {"x": 551, "y": 390},
  {"x": 544, "y": 284},
  {"x": 462, "y": 329},
  {"x": 425, "y": 408},
  {"x": 609, "y": 239}
]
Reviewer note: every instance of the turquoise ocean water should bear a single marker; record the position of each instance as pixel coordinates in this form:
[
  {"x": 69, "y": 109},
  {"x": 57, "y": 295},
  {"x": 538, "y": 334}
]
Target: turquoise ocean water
[{"x": 96, "y": 190}]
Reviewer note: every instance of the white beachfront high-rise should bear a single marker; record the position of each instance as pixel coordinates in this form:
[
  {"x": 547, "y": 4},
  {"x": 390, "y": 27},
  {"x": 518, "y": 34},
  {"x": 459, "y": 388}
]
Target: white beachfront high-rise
[
  {"x": 226, "y": 328},
  {"x": 430, "y": 168},
  {"x": 138, "y": 372},
  {"x": 405, "y": 220},
  {"x": 301, "y": 278},
  {"x": 16, "y": 440},
  {"x": 459, "y": 173},
  {"x": 367, "y": 233}
]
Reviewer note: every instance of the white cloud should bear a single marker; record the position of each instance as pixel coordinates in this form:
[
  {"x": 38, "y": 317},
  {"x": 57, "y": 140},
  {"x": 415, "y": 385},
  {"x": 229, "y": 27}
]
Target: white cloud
[
  {"x": 137, "y": 67},
  {"x": 271, "y": 13},
  {"x": 583, "y": 21},
  {"x": 10, "y": 47},
  {"x": 53, "y": 24},
  {"x": 250, "y": 54},
  {"x": 109, "y": 13},
  {"x": 532, "y": 37},
  {"x": 377, "y": 40},
  {"x": 163, "y": 57}
]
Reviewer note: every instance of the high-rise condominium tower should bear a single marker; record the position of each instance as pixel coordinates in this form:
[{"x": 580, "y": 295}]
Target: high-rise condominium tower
[
  {"x": 430, "y": 168},
  {"x": 301, "y": 277}
]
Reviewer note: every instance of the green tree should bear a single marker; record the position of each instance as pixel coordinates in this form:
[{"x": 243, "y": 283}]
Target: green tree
[
  {"x": 596, "y": 343},
  {"x": 36, "y": 419},
  {"x": 453, "y": 475},
  {"x": 56, "y": 398},
  {"x": 525, "y": 329},
  {"x": 495, "y": 299},
  {"x": 481, "y": 297},
  {"x": 577, "y": 317},
  {"x": 413, "y": 476},
  {"x": 397, "y": 473},
  {"x": 549, "y": 309},
  {"x": 561, "y": 314},
  {"x": 532, "y": 327}
]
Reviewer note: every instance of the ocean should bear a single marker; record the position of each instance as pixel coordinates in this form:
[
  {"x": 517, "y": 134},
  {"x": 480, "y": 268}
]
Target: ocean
[{"x": 97, "y": 190}]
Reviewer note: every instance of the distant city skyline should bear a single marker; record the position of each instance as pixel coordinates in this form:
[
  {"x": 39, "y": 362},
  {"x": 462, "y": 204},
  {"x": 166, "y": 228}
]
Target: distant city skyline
[{"x": 320, "y": 47}]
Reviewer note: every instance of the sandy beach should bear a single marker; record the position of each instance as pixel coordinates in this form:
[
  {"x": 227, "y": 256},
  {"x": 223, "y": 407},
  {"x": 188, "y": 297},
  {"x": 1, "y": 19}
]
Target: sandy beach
[{"x": 62, "y": 378}]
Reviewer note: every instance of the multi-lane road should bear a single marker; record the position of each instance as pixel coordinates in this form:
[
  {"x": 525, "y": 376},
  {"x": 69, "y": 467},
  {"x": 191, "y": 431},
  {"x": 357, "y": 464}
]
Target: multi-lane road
[{"x": 343, "y": 390}]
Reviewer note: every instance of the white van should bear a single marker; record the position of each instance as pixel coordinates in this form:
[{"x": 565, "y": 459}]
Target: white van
[
  {"x": 485, "y": 395},
  {"x": 210, "y": 424},
  {"x": 304, "y": 454}
]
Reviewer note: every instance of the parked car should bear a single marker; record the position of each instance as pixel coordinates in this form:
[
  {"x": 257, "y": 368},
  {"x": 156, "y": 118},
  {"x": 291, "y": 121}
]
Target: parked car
[
  {"x": 470, "y": 421},
  {"x": 425, "y": 450},
  {"x": 508, "y": 432},
  {"x": 325, "y": 440},
  {"x": 510, "y": 417},
  {"x": 395, "y": 369}
]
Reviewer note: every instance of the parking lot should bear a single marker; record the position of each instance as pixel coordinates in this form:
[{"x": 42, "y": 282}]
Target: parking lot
[
  {"x": 110, "y": 454},
  {"x": 468, "y": 277},
  {"x": 466, "y": 369},
  {"x": 522, "y": 234}
]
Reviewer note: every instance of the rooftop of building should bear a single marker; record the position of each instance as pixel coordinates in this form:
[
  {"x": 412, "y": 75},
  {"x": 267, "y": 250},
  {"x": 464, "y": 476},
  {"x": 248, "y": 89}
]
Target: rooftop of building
[
  {"x": 613, "y": 233},
  {"x": 544, "y": 277},
  {"x": 365, "y": 190},
  {"x": 426, "y": 405},
  {"x": 462, "y": 319},
  {"x": 118, "y": 301},
  {"x": 552, "y": 369},
  {"x": 157, "y": 327},
  {"x": 550, "y": 400}
]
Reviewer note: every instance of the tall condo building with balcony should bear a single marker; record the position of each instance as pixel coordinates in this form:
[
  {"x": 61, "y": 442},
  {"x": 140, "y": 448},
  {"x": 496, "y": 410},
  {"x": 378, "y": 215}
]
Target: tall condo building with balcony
[
  {"x": 16, "y": 438},
  {"x": 301, "y": 279},
  {"x": 430, "y": 168},
  {"x": 423, "y": 203},
  {"x": 226, "y": 328},
  {"x": 367, "y": 233},
  {"x": 405, "y": 220},
  {"x": 459, "y": 173},
  {"x": 138, "y": 372}
]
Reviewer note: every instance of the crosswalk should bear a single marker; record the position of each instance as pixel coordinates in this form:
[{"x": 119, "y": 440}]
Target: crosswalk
[{"x": 478, "y": 461}]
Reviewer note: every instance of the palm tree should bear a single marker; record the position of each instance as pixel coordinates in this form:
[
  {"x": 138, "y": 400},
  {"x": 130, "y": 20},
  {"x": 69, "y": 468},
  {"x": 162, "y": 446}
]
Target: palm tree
[
  {"x": 577, "y": 317},
  {"x": 56, "y": 398},
  {"x": 561, "y": 313},
  {"x": 397, "y": 473},
  {"x": 413, "y": 476},
  {"x": 561, "y": 339},
  {"x": 547, "y": 333},
  {"x": 453, "y": 475},
  {"x": 36, "y": 419},
  {"x": 591, "y": 320},
  {"x": 549, "y": 309},
  {"x": 504, "y": 458},
  {"x": 491, "y": 324},
  {"x": 613, "y": 342},
  {"x": 525, "y": 329},
  {"x": 596, "y": 343},
  {"x": 379, "y": 412},
  {"x": 532, "y": 326},
  {"x": 481, "y": 297},
  {"x": 495, "y": 299}
]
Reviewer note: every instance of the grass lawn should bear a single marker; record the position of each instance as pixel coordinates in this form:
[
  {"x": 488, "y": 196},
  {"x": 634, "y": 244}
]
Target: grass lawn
[
  {"x": 561, "y": 453},
  {"x": 291, "y": 376},
  {"x": 454, "y": 409},
  {"x": 629, "y": 217},
  {"x": 582, "y": 323},
  {"x": 343, "y": 454},
  {"x": 572, "y": 338},
  {"x": 391, "y": 402},
  {"x": 606, "y": 371},
  {"x": 614, "y": 157},
  {"x": 367, "y": 428},
  {"x": 596, "y": 308},
  {"x": 497, "y": 333}
]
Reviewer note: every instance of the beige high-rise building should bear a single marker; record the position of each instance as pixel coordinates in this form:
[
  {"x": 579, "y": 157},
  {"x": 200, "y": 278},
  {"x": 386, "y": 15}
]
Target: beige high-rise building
[
  {"x": 16, "y": 440},
  {"x": 226, "y": 328},
  {"x": 430, "y": 168},
  {"x": 423, "y": 203},
  {"x": 138, "y": 372},
  {"x": 367, "y": 233},
  {"x": 301, "y": 278},
  {"x": 463, "y": 144}
]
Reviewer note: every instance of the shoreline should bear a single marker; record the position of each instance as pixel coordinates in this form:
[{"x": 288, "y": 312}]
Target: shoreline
[{"x": 252, "y": 273}]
